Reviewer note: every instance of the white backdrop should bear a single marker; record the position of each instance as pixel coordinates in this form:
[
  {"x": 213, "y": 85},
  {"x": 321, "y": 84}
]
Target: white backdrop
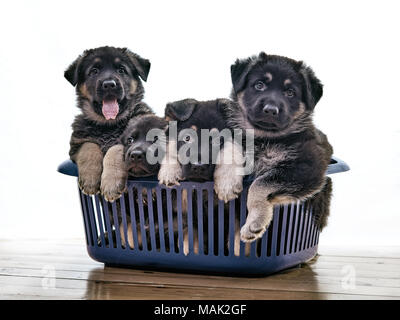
[{"x": 353, "y": 46}]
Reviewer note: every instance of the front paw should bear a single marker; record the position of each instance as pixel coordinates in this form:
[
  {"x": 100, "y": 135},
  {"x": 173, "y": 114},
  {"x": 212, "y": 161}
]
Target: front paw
[
  {"x": 252, "y": 231},
  {"x": 113, "y": 186},
  {"x": 228, "y": 187},
  {"x": 89, "y": 182},
  {"x": 170, "y": 175}
]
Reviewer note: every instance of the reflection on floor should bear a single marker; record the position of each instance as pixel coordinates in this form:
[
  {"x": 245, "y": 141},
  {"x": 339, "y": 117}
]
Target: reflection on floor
[{"x": 44, "y": 269}]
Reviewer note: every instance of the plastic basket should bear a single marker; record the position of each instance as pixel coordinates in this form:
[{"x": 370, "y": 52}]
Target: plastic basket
[{"x": 159, "y": 230}]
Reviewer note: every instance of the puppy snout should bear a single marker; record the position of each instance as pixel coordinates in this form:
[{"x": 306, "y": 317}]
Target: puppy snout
[
  {"x": 271, "y": 110},
  {"x": 109, "y": 84},
  {"x": 137, "y": 155}
]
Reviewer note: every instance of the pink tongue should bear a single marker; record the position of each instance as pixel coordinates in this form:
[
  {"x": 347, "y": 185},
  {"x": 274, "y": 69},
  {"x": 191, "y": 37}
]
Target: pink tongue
[{"x": 110, "y": 109}]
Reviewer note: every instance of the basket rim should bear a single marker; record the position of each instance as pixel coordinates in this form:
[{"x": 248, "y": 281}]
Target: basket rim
[{"x": 69, "y": 168}]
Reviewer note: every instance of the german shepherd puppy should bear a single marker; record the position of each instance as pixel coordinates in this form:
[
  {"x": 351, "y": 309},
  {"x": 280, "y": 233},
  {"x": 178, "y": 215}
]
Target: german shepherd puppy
[
  {"x": 192, "y": 116},
  {"x": 136, "y": 145},
  {"x": 275, "y": 96},
  {"x": 109, "y": 92}
]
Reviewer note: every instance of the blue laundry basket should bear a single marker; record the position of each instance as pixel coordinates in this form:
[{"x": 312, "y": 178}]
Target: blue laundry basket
[{"x": 159, "y": 231}]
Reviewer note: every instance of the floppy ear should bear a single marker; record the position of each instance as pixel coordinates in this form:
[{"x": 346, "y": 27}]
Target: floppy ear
[
  {"x": 312, "y": 88},
  {"x": 180, "y": 110},
  {"x": 239, "y": 71},
  {"x": 71, "y": 74},
  {"x": 141, "y": 65}
]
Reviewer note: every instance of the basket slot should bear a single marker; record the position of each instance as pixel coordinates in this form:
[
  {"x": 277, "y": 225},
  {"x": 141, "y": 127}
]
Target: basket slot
[
  {"x": 199, "y": 235},
  {"x": 243, "y": 211},
  {"x": 142, "y": 220},
  {"x": 231, "y": 233},
  {"x": 100, "y": 220},
  {"x": 300, "y": 228},
  {"x": 179, "y": 217},
  {"x": 221, "y": 242},
  {"x": 124, "y": 222},
  {"x": 150, "y": 213},
  {"x": 116, "y": 223},
  {"x": 295, "y": 228},
  {"x": 304, "y": 216},
  {"x": 88, "y": 233},
  {"x": 107, "y": 217},
  {"x": 210, "y": 230},
  {"x": 308, "y": 224},
  {"x": 171, "y": 246},
  {"x": 289, "y": 232},
  {"x": 92, "y": 219},
  {"x": 275, "y": 230},
  {"x": 283, "y": 229},
  {"x": 132, "y": 216},
  {"x": 161, "y": 231},
  {"x": 312, "y": 227}
]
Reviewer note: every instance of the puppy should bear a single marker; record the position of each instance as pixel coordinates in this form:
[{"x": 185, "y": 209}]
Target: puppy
[
  {"x": 136, "y": 145},
  {"x": 275, "y": 96},
  {"x": 192, "y": 117},
  {"x": 109, "y": 92}
]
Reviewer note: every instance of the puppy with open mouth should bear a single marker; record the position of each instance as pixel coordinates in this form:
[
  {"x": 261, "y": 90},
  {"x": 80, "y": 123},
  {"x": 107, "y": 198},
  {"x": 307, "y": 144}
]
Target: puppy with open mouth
[
  {"x": 109, "y": 92},
  {"x": 275, "y": 97}
]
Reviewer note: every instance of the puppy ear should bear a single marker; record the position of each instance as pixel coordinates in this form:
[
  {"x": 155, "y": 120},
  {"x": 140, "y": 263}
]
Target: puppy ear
[
  {"x": 141, "y": 65},
  {"x": 180, "y": 110},
  {"x": 312, "y": 88},
  {"x": 239, "y": 71},
  {"x": 71, "y": 74}
]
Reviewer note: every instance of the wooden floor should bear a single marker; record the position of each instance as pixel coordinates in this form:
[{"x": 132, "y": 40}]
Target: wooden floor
[{"x": 63, "y": 270}]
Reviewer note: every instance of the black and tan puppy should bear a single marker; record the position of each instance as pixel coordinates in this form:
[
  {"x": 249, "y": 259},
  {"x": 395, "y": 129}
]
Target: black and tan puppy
[
  {"x": 137, "y": 142},
  {"x": 275, "y": 96},
  {"x": 110, "y": 92}
]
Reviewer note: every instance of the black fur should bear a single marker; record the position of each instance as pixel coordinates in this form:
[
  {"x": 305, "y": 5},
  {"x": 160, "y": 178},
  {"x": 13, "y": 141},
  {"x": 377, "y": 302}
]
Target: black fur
[
  {"x": 290, "y": 153},
  {"x": 87, "y": 73}
]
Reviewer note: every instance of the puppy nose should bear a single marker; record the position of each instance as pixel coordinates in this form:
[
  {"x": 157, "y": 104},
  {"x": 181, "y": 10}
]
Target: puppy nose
[
  {"x": 109, "y": 84},
  {"x": 271, "y": 110},
  {"x": 136, "y": 155}
]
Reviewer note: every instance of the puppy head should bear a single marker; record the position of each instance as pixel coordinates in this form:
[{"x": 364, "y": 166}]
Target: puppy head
[
  {"x": 192, "y": 116},
  {"x": 136, "y": 145},
  {"x": 276, "y": 94},
  {"x": 107, "y": 81}
]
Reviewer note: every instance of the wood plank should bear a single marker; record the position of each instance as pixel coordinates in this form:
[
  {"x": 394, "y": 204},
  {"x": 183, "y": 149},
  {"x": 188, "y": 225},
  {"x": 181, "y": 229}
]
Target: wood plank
[{"x": 73, "y": 289}]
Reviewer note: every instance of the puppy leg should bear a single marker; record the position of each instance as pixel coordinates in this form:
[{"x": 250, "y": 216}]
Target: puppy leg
[
  {"x": 114, "y": 177},
  {"x": 90, "y": 165},
  {"x": 229, "y": 171},
  {"x": 170, "y": 170},
  {"x": 260, "y": 212}
]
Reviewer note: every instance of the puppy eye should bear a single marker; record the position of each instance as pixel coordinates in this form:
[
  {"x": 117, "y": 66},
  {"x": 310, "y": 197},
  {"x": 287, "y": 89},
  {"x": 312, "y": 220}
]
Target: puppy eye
[
  {"x": 130, "y": 140},
  {"x": 187, "y": 138},
  {"x": 93, "y": 71},
  {"x": 121, "y": 70},
  {"x": 289, "y": 93},
  {"x": 260, "y": 86}
]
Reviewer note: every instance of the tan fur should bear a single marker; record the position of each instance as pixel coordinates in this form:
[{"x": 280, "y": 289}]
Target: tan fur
[
  {"x": 260, "y": 212},
  {"x": 287, "y": 82},
  {"x": 268, "y": 75},
  {"x": 229, "y": 171},
  {"x": 114, "y": 177},
  {"x": 133, "y": 86},
  {"x": 89, "y": 160},
  {"x": 85, "y": 93},
  {"x": 130, "y": 235}
]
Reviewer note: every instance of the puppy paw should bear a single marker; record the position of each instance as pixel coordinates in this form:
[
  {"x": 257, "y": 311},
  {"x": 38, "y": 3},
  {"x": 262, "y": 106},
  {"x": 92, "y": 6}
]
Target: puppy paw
[
  {"x": 228, "y": 187},
  {"x": 113, "y": 186},
  {"x": 170, "y": 175},
  {"x": 89, "y": 181},
  {"x": 252, "y": 231}
]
